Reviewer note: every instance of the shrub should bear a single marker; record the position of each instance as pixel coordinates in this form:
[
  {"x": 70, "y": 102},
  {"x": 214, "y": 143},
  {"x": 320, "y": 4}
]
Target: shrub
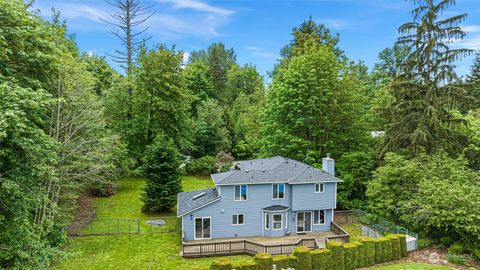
[
  {"x": 360, "y": 262},
  {"x": 424, "y": 243},
  {"x": 247, "y": 266},
  {"x": 264, "y": 261},
  {"x": 476, "y": 253},
  {"x": 396, "y": 248},
  {"x": 351, "y": 254},
  {"x": 201, "y": 166},
  {"x": 379, "y": 250},
  {"x": 456, "y": 249},
  {"x": 386, "y": 244},
  {"x": 321, "y": 259},
  {"x": 282, "y": 262},
  {"x": 338, "y": 255},
  {"x": 369, "y": 250},
  {"x": 403, "y": 245},
  {"x": 456, "y": 259},
  {"x": 105, "y": 188},
  {"x": 221, "y": 264},
  {"x": 293, "y": 261},
  {"x": 304, "y": 258}
]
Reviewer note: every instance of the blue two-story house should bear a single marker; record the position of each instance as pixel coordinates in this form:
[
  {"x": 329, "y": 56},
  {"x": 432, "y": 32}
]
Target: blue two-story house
[{"x": 269, "y": 197}]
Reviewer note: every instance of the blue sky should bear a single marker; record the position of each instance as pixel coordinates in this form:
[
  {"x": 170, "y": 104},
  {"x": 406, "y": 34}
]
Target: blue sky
[{"x": 257, "y": 29}]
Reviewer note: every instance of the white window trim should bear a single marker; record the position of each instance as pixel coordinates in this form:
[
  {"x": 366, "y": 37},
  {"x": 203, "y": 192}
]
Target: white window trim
[
  {"x": 311, "y": 221},
  {"x": 278, "y": 191},
  {"x": 273, "y": 222},
  {"x": 267, "y": 222},
  {"x": 324, "y": 216},
  {"x": 195, "y": 228},
  {"x": 234, "y": 197},
  {"x": 286, "y": 220},
  {"x": 323, "y": 184},
  {"x": 238, "y": 224}
]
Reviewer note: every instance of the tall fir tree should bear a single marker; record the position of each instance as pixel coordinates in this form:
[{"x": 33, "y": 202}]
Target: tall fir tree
[
  {"x": 420, "y": 116},
  {"x": 473, "y": 85},
  {"x": 161, "y": 164}
]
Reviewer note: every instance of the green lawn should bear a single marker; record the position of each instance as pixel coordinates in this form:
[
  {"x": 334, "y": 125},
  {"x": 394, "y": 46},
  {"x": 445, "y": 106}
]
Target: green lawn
[
  {"x": 410, "y": 266},
  {"x": 145, "y": 251},
  {"x": 353, "y": 230}
]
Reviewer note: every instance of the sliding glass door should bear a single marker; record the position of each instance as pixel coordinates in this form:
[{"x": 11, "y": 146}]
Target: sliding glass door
[
  {"x": 202, "y": 228},
  {"x": 304, "y": 222}
]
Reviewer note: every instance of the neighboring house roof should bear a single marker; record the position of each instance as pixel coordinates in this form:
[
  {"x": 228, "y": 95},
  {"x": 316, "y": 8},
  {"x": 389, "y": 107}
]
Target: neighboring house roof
[
  {"x": 190, "y": 201},
  {"x": 276, "y": 208},
  {"x": 272, "y": 170}
]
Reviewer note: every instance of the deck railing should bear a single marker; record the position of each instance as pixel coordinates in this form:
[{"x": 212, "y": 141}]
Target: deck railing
[
  {"x": 236, "y": 247},
  {"x": 341, "y": 235}
]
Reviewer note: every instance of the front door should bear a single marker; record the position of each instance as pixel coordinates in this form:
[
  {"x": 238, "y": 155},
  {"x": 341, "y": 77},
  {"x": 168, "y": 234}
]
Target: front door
[
  {"x": 202, "y": 228},
  {"x": 304, "y": 222}
]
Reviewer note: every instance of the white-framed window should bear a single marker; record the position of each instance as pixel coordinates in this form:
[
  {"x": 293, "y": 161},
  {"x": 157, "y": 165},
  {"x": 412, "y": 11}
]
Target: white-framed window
[
  {"x": 319, "y": 187},
  {"x": 238, "y": 219},
  {"x": 241, "y": 193},
  {"x": 277, "y": 221},
  {"x": 319, "y": 217},
  {"x": 267, "y": 221},
  {"x": 278, "y": 191}
]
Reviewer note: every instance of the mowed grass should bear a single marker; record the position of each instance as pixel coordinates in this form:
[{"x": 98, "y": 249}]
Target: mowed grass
[
  {"x": 410, "y": 266},
  {"x": 143, "y": 251}
]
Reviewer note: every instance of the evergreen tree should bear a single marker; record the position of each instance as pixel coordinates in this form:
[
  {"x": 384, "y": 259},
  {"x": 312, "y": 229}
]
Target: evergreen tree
[
  {"x": 473, "y": 85},
  {"x": 420, "y": 117},
  {"x": 161, "y": 164}
]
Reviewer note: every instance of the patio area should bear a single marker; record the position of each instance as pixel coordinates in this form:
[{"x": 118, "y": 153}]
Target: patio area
[{"x": 271, "y": 245}]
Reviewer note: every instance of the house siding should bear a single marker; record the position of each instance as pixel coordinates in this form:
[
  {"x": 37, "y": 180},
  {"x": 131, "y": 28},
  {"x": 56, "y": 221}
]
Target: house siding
[{"x": 305, "y": 198}]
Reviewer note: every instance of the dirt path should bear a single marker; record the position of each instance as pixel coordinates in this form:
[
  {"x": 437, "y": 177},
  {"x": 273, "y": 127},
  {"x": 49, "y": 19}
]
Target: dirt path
[{"x": 83, "y": 215}]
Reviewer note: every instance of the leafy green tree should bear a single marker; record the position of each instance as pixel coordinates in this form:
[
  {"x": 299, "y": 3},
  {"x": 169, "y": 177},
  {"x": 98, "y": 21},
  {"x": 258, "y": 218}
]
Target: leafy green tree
[
  {"x": 210, "y": 130},
  {"x": 435, "y": 195},
  {"x": 161, "y": 102},
  {"x": 161, "y": 164},
  {"x": 419, "y": 116},
  {"x": 245, "y": 79},
  {"x": 314, "y": 105},
  {"x": 198, "y": 82},
  {"x": 104, "y": 75}
]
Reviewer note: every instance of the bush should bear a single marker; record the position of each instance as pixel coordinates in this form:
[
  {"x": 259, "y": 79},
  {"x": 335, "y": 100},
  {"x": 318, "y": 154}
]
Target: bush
[
  {"x": 369, "y": 251},
  {"x": 105, "y": 188},
  {"x": 281, "y": 261},
  {"x": 476, "y": 253},
  {"x": 379, "y": 250},
  {"x": 264, "y": 261},
  {"x": 338, "y": 255},
  {"x": 321, "y": 259},
  {"x": 403, "y": 245},
  {"x": 247, "y": 266},
  {"x": 456, "y": 259},
  {"x": 456, "y": 249},
  {"x": 396, "y": 248},
  {"x": 387, "y": 249},
  {"x": 304, "y": 258},
  {"x": 351, "y": 254},
  {"x": 201, "y": 166},
  {"x": 361, "y": 253},
  {"x": 424, "y": 243},
  {"x": 221, "y": 264}
]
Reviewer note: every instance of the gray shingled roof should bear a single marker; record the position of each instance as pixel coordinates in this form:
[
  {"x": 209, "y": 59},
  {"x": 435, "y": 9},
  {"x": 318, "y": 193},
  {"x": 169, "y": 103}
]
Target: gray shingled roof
[
  {"x": 187, "y": 201},
  {"x": 274, "y": 208},
  {"x": 272, "y": 170}
]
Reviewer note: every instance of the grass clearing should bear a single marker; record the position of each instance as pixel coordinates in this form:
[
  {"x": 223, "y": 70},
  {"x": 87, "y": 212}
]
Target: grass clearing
[
  {"x": 144, "y": 251},
  {"x": 410, "y": 266},
  {"x": 353, "y": 230}
]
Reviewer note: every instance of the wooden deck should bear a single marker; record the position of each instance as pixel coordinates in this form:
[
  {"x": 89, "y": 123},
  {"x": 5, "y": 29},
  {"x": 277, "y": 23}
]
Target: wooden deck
[{"x": 271, "y": 245}]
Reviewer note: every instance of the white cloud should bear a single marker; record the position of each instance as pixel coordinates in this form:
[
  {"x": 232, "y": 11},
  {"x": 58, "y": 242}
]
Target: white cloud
[
  {"x": 474, "y": 28},
  {"x": 334, "y": 23},
  {"x": 186, "y": 57},
  {"x": 472, "y": 43},
  {"x": 91, "y": 53},
  {"x": 256, "y": 51},
  {"x": 198, "y": 6},
  {"x": 76, "y": 11}
]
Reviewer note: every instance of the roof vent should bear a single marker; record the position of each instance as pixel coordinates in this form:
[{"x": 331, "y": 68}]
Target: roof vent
[
  {"x": 263, "y": 170},
  {"x": 246, "y": 171},
  {"x": 199, "y": 195}
]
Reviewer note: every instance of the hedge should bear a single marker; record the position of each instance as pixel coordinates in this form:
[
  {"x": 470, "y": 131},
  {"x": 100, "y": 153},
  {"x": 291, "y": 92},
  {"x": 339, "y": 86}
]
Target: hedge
[
  {"x": 221, "y": 264},
  {"x": 247, "y": 266},
  {"x": 388, "y": 250},
  {"x": 321, "y": 259},
  {"x": 360, "y": 262},
  {"x": 379, "y": 249},
  {"x": 281, "y": 261},
  {"x": 396, "y": 248},
  {"x": 338, "y": 255},
  {"x": 264, "y": 261},
  {"x": 351, "y": 255},
  {"x": 304, "y": 258},
  {"x": 403, "y": 244},
  {"x": 369, "y": 251}
]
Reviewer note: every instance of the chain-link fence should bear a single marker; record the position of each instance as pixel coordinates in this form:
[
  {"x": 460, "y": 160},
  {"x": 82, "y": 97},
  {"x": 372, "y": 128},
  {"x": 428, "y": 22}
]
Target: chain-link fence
[{"x": 110, "y": 226}]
